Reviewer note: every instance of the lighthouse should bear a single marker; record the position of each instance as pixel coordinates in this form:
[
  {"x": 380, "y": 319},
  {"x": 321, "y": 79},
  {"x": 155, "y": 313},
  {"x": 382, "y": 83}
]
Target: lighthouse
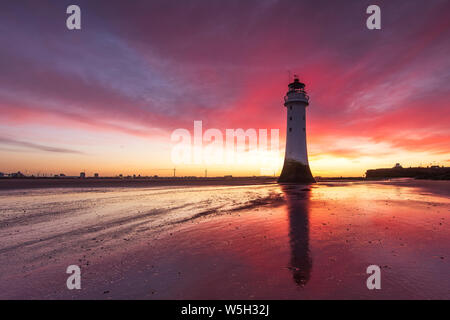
[{"x": 296, "y": 166}]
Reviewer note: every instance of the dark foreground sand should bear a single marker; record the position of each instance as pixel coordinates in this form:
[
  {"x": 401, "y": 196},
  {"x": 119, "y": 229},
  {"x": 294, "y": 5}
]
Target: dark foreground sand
[
  {"x": 41, "y": 183},
  {"x": 228, "y": 242}
]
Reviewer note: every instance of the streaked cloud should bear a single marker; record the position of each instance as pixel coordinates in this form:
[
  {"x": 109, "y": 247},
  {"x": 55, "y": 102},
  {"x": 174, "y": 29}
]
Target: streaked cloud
[{"x": 34, "y": 146}]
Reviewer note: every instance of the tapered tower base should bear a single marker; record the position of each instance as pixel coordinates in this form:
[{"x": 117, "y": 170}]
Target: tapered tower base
[{"x": 296, "y": 172}]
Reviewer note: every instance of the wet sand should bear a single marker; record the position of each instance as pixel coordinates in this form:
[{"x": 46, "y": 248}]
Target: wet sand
[{"x": 228, "y": 242}]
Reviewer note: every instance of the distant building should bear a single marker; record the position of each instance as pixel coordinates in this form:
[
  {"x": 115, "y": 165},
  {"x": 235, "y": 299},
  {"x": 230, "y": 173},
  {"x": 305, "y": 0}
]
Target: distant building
[
  {"x": 95, "y": 175},
  {"x": 62, "y": 175},
  {"x": 18, "y": 174},
  {"x": 82, "y": 175},
  {"x": 439, "y": 173},
  {"x": 398, "y": 166},
  {"x": 2, "y": 174}
]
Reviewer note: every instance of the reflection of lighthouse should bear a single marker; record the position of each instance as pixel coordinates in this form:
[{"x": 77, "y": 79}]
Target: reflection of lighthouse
[
  {"x": 298, "y": 212},
  {"x": 296, "y": 166}
]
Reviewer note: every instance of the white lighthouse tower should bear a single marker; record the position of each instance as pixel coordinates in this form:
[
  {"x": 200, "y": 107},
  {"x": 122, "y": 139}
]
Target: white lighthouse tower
[{"x": 296, "y": 166}]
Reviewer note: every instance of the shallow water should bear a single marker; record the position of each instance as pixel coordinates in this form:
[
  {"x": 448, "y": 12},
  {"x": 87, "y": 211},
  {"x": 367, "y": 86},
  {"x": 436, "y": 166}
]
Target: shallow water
[{"x": 250, "y": 242}]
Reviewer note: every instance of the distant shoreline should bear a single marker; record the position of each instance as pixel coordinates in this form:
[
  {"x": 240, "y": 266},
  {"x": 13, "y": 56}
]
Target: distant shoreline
[
  {"x": 35, "y": 183},
  {"x": 429, "y": 173},
  {"x": 51, "y": 182}
]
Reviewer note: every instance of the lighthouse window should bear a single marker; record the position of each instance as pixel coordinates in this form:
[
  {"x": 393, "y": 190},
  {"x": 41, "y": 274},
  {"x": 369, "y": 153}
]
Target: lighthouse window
[
  {"x": 290, "y": 118},
  {"x": 303, "y": 129},
  {"x": 290, "y": 107},
  {"x": 290, "y": 129}
]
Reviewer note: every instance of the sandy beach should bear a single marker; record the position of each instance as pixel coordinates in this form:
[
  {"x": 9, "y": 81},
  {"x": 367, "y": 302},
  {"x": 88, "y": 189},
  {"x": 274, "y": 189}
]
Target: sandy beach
[{"x": 264, "y": 241}]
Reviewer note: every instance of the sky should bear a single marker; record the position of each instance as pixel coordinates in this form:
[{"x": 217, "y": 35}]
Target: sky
[{"x": 107, "y": 98}]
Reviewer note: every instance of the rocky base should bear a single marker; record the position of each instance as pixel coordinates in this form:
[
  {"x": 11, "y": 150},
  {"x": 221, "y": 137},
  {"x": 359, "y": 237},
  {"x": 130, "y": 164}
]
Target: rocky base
[{"x": 296, "y": 172}]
